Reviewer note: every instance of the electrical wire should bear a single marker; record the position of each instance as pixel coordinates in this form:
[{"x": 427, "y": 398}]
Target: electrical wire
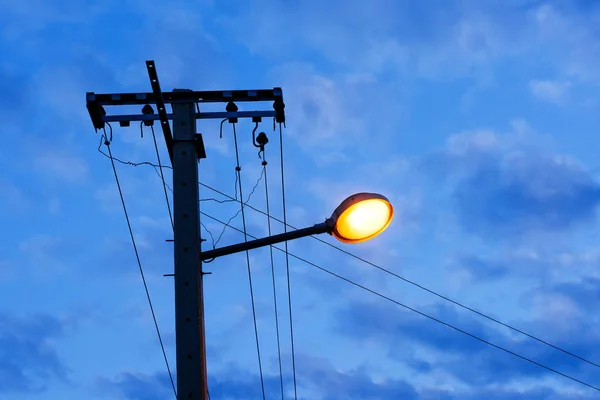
[
  {"x": 214, "y": 243},
  {"x": 235, "y": 185},
  {"x": 387, "y": 271},
  {"x": 287, "y": 262},
  {"x": 430, "y": 291},
  {"x": 162, "y": 176},
  {"x": 238, "y": 170},
  {"x": 264, "y": 164},
  {"x": 137, "y": 256},
  {"x": 133, "y": 164},
  {"x": 158, "y": 169},
  {"x": 448, "y": 325},
  {"x": 238, "y": 181}
]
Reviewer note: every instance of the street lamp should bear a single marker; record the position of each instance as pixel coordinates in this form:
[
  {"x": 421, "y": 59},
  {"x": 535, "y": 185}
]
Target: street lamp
[{"x": 358, "y": 218}]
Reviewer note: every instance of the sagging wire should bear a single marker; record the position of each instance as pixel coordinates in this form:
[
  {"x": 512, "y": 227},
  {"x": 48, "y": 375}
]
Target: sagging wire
[
  {"x": 287, "y": 261},
  {"x": 104, "y": 139},
  {"x": 170, "y": 189},
  {"x": 162, "y": 176},
  {"x": 387, "y": 271},
  {"x": 238, "y": 211},
  {"x": 430, "y": 317},
  {"x": 238, "y": 170},
  {"x": 231, "y": 200},
  {"x": 260, "y": 142},
  {"x": 417, "y": 285},
  {"x": 148, "y": 110},
  {"x": 131, "y": 163}
]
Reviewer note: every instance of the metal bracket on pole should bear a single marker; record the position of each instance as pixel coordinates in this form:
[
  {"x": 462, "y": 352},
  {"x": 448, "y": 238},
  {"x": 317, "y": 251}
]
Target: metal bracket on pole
[{"x": 160, "y": 104}]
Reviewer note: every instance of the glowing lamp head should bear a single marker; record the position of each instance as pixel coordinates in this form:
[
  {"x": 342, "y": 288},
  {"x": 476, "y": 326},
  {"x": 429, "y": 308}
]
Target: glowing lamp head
[{"x": 361, "y": 217}]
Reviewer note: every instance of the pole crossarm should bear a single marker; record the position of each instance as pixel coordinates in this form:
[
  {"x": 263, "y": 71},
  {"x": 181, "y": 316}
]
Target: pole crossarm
[
  {"x": 203, "y": 115},
  {"x": 96, "y": 103},
  {"x": 324, "y": 227},
  {"x": 212, "y": 96}
]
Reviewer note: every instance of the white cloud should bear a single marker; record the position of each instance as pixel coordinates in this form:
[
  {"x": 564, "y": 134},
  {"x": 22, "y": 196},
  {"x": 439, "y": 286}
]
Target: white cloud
[
  {"x": 61, "y": 166},
  {"x": 551, "y": 91},
  {"x": 13, "y": 197},
  {"x": 42, "y": 253},
  {"x": 320, "y": 108},
  {"x": 461, "y": 144}
]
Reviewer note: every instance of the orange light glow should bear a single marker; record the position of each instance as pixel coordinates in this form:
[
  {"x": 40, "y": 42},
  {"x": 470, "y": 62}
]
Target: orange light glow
[{"x": 362, "y": 217}]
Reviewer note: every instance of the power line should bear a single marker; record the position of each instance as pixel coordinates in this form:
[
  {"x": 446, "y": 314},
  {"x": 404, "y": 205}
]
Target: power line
[
  {"x": 137, "y": 256},
  {"x": 238, "y": 170},
  {"x": 130, "y": 163},
  {"x": 158, "y": 169},
  {"x": 287, "y": 261},
  {"x": 238, "y": 182},
  {"x": 214, "y": 243},
  {"x": 387, "y": 271},
  {"x": 264, "y": 164},
  {"x": 439, "y": 295},
  {"x": 480, "y": 339},
  {"x": 162, "y": 175}
]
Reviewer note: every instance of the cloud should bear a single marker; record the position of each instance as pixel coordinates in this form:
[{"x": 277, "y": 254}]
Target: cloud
[
  {"x": 585, "y": 294},
  {"x": 524, "y": 192},
  {"x": 481, "y": 268},
  {"x": 403, "y": 38},
  {"x": 320, "y": 380},
  {"x": 507, "y": 185},
  {"x": 551, "y": 263},
  {"x": 391, "y": 36},
  {"x": 317, "y": 379},
  {"x": 237, "y": 384},
  {"x": 434, "y": 349},
  {"x": 325, "y": 112},
  {"x": 134, "y": 386},
  {"x": 14, "y": 198},
  {"x": 569, "y": 27},
  {"x": 62, "y": 167},
  {"x": 28, "y": 360},
  {"x": 551, "y": 91}
]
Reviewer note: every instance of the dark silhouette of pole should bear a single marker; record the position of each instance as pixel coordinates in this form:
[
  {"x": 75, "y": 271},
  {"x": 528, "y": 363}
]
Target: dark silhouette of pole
[{"x": 189, "y": 298}]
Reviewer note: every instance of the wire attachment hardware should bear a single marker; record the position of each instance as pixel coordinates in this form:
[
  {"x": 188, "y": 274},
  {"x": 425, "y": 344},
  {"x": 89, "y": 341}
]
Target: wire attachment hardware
[
  {"x": 232, "y": 107},
  {"x": 259, "y": 141},
  {"x": 148, "y": 110}
]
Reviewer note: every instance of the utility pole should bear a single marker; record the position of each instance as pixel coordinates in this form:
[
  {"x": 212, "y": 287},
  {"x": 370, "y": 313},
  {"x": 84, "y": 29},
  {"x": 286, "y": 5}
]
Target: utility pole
[
  {"x": 189, "y": 298},
  {"x": 186, "y": 148}
]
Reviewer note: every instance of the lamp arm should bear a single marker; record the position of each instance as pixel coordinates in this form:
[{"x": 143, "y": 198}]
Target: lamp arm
[{"x": 323, "y": 227}]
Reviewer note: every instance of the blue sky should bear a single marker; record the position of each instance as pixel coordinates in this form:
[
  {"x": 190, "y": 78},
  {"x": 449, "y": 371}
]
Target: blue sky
[{"x": 478, "y": 119}]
